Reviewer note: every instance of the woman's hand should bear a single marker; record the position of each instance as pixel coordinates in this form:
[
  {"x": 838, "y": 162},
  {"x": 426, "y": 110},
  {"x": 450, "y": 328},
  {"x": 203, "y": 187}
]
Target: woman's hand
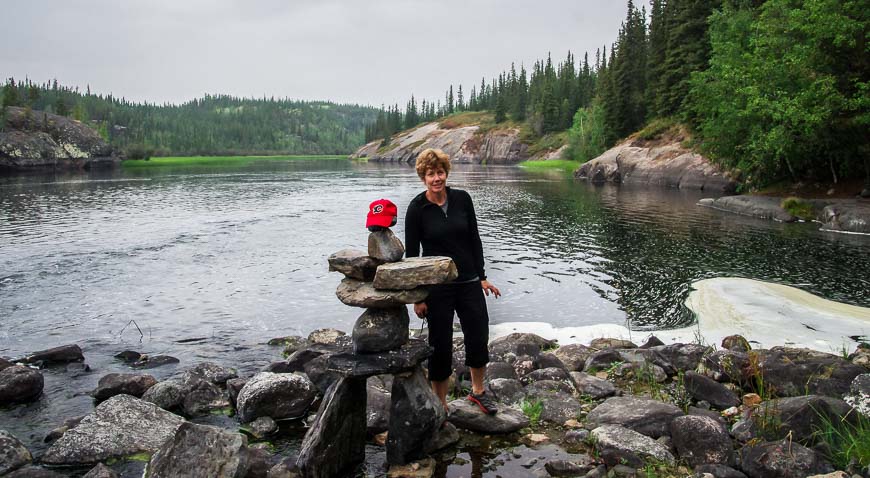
[
  {"x": 420, "y": 309},
  {"x": 487, "y": 288}
]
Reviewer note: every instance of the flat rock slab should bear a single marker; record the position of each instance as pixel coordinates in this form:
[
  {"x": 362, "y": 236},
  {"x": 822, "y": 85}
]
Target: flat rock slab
[
  {"x": 119, "y": 427},
  {"x": 62, "y": 354},
  {"x": 617, "y": 443},
  {"x": 13, "y": 453},
  {"x": 400, "y": 360},
  {"x": 201, "y": 450},
  {"x": 362, "y": 294},
  {"x": 354, "y": 264},
  {"x": 468, "y": 416},
  {"x": 384, "y": 246},
  {"x": 643, "y": 415},
  {"x": 415, "y": 272}
]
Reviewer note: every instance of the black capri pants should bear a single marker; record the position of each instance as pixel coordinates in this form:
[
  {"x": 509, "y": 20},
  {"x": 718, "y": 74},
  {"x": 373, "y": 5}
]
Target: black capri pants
[{"x": 467, "y": 300}]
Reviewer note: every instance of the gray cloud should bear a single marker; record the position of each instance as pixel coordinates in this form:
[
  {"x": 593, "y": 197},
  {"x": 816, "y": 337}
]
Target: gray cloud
[{"x": 344, "y": 50}]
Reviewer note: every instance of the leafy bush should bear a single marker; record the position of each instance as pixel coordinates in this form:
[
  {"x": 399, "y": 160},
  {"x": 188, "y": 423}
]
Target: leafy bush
[{"x": 586, "y": 138}]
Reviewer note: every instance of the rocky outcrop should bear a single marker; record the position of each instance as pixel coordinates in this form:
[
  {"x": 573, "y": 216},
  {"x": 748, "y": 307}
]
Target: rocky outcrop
[
  {"x": 39, "y": 140},
  {"x": 835, "y": 215},
  {"x": 464, "y": 144},
  {"x": 659, "y": 163}
]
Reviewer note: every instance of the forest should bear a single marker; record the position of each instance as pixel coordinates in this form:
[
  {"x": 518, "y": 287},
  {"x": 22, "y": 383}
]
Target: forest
[
  {"x": 771, "y": 90},
  {"x": 212, "y": 125}
]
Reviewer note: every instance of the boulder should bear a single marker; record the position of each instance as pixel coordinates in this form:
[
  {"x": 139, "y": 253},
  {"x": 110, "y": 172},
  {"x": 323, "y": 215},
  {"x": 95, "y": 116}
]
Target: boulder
[
  {"x": 703, "y": 388},
  {"x": 62, "y": 354},
  {"x": 354, "y": 264},
  {"x": 611, "y": 343},
  {"x": 701, "y": 440},
  {"x": 468, "y": 416},
  {"x": 542, "y": 388},
  {"x": 552, "y": 373},
  {"x": 800, "y": 417},
  {"x": 414, "y": 272},
  {"x": 234, "y": 386},
  {"x": 603, "y": 360},
  {"x": 640, "y": 371},
  {"x": 847, "y": 216},
  {"x": 644, "y": 415},
  {"x": 745, "y": 430},
  {"x": 591, "y": 386},
  {"x": 147, "y": 362},
  {"x": 20, "y": 384},
  {"x": 58, "y": 432},
  {"x": 263, "y": 427},
  {"x": 326, "y": 336},
  {"x": 286, "y": 395},
  {"x": 549, "y": 360},
  {"x": 318, "y": 371},
  {"x": 495, "y": 370},
  {"x": 781, "y": 459},
  {"x": 13, "y": 453},
  {"x": 129, "y": 356},
  {"x": 558, "y": 407},
  {"x": 737, "y": 343},
  {"x": 335, "y": 445},
  {"x": 291, "y": 343},
  {"x": 378, "y": 401},
  {"x": 33, "y": 472},
  {"x": 569, "y": 468},
  {"x": 119, "y": 427},
  {"x": 651, "y": 342},
  {"x": 859, "y": 394},
  {"x": 168, "y": 394},
  {"x": 135, "y": 384},
  {"x": 5, "y": 363},
  {"x": 416, "y": 413},
  {"x": 523, "y": 365},
  {"x": 509, "y": 346},
  {"x": 574, "y": 356},
  {"x": 213, "y": 372},
  {"x": 362, "y": 294},
  {"x": 101, "y": 471},
  {"x": 384, "y": 246},
  {"x": 507, "y": 390},
  {"x": 379, "y": 330},
  {"x": 681, "y": 357},
  {"x": 617, "y": 444},
  {"x": 444, "y": 436},
  {"x": 203, "y": 450},
  {"x": 718, "y": 471},
  {"x": 203, "y": 397},
  {"x": 727, "y": 366},
  {"x": 795, "y": 372}
]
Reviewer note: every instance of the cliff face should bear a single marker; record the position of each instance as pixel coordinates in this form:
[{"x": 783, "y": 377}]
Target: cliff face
[
  {"x": 663, "y": 162},
  {"x": 464, "y": 144},
  {"x": 38, "y": 140}
]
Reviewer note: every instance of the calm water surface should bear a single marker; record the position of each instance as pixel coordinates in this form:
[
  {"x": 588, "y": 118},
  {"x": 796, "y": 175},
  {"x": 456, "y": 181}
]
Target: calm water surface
[{"x": 211, "y": 262}]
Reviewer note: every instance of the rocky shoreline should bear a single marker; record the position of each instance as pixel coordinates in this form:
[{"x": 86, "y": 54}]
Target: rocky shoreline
[
  {"x": 607, "y": 408},
  {"x": 835, "y": 215}
]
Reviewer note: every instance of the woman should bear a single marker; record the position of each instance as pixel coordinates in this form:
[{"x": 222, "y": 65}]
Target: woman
[{"x": 442, "y": 220}]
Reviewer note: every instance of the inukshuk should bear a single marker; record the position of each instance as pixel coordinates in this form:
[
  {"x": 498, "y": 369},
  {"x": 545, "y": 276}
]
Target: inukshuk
[{"x": 382, "y": 283}]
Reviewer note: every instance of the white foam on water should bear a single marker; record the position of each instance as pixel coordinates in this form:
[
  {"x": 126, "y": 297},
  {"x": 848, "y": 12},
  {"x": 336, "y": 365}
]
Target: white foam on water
[{"x": 766, "y": 314}]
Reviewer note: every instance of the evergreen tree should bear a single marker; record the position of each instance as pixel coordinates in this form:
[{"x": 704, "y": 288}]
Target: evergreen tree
[{"x": 10, "y": 94}]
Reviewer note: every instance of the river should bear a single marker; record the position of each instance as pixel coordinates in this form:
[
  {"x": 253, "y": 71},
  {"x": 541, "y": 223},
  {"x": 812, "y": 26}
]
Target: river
[{"x": 211, "y": 262}]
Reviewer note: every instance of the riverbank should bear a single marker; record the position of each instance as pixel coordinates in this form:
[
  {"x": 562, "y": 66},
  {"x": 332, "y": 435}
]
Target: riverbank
[
  {"x": 834, "y": 215},
  {"x": 604, "y": 406},
  {"x": 219, "y": 160}
]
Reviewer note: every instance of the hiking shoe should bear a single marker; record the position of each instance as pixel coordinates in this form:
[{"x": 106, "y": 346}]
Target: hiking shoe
[{"x": 485, "y": 402}]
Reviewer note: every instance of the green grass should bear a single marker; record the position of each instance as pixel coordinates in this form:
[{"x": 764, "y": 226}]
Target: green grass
[
  {"x": 846, "y": 441},
  {"x": 533, "y": 410},
  {"x": 217, "y": 160},
  {"x": 656, "y": 128},
  {"x": 551, "y": 165},
  {"x": 548, "y": 142},
  {"x": 799, "y": 208}
]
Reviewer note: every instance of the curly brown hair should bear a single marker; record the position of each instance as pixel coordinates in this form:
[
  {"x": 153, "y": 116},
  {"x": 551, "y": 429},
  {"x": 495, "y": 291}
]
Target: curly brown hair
[{"x": 432, "y": 159}]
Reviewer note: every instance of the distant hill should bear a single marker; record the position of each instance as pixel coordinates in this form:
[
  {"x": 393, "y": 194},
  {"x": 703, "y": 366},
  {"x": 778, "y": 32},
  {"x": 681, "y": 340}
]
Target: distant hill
[{"x": 212, "y": 125}]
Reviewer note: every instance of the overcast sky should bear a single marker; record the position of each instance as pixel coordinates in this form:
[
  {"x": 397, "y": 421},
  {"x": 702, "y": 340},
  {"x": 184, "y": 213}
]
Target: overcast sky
[{"x": 361, "y": 51}]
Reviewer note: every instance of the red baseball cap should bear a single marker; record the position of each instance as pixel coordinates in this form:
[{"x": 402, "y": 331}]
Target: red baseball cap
[{"x": 381, "y": 213}]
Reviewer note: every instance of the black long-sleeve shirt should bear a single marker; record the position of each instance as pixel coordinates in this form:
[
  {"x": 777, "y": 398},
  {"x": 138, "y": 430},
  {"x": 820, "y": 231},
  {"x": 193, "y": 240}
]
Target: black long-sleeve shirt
[{"x": 453, "y": 234}]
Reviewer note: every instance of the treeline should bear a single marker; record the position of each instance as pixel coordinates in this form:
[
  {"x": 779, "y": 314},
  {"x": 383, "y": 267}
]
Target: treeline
[
  {"x": 772, "y": 90},
  {"x": 212, "y": 125}
]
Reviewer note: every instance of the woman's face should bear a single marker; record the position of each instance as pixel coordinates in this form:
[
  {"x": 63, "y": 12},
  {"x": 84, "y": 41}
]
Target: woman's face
[{"x": 435, "y": 179}]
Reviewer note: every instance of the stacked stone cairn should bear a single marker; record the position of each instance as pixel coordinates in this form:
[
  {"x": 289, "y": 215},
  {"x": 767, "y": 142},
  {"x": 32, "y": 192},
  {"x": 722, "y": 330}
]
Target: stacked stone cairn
[{"x": 382, "y": 283}]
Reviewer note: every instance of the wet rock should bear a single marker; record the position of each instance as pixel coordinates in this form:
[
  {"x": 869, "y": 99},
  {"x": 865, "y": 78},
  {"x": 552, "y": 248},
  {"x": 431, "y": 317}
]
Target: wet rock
[
  {"x": 76, "y": 369},
  {"x": 204, "y": 397},
  {"x": 496, "y": 370},
  {"x": 296, "y": 361},
  {"x": 701, "y": 440},
  {"x": 390, "y": 362},
  {"x": 318, "y": 371},
  {"x": 468, "y": 416},
  {"x": 325, "y": 336},
  {"x": 800, "y": 417},
  {"x": 20, "y": 384},
  {"x": 577, "y": 467},
  {"x": 62, "y": 354},
  {"x": 101, "y": 471},
  {"x": 112, "y": 384},
  {"x": 718, "y": 471},
  {"x": 517, "y": 344},
  {"x": 13, "y": 453},
  {"x": 415, "y": 272},
  {"x": 153, "y": 362},
  {"x": 611, "y": 343},
  {"x": 651, "y": 342},
  {"x": 617, "y": 444},
  {"x": 119, "y": 427},
  {"x": 291, "y": 343},
  {"x": 59, "y": 431},
  {"x": 415, "y": 414},
  {"x": 795, "y": 372},
  {"x": 213, "y": 372},
  {"x": 129, "y": 356},
  {"x": 263, "y": 427},
  {"x": 336, "y": 442},
  {"x": 573, "y": 356},
  {"x": 781, "y": 459},
  {"x": 33, "y": 472},
  {"x": 859, "y": 394},
  {"x": 5, "y": 363},
  {"x": 644, "y": 415},
  {"x": 286, "y": 468},
  {"x": 737, "y": 343},
  {"x": 354, "y": 264},
  {"x": 209, "y": 450},
  {"x": 591, "y": 386},
  {"x": 379, "y": 330},
  {"x": 260, "y": 460},
  {"x": 286, "y": 395},
  {"x": 507, "y": 390},
  {"x": 378, "y": 406},
  {"x": 384, "y": 246},
  {"x": 234, "y": 386},
  {"x": 168, "y": 394},
  {"x": 703, "y": 388},
  {"x": 362, "y": 294},
  {"x": 552, "y": 373},
  {"x": 445, "y": 436},
  {"x": 542, "y": 388}
]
